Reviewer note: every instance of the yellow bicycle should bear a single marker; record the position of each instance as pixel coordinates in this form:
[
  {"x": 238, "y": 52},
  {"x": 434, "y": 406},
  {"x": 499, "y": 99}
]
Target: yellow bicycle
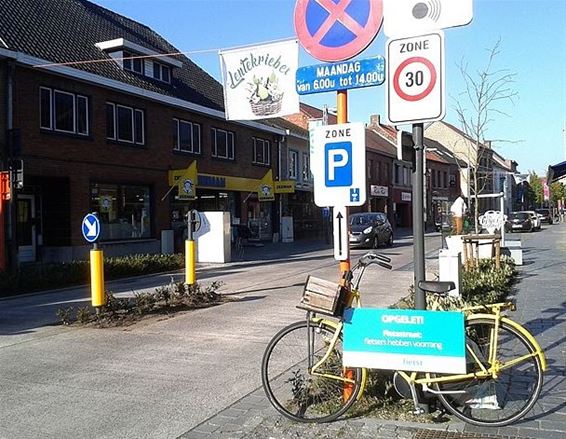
[{"x": 304, "y": 379}]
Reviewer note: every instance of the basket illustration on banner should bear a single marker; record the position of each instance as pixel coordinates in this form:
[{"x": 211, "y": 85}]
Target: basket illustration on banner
[{"x": 265, "y": 97}]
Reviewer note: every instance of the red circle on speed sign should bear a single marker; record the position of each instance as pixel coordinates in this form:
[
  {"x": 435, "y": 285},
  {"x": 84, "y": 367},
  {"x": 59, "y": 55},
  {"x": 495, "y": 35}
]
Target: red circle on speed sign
[
  {"x": 336, "y": 30},
  {"x": 426, "y": 91}
]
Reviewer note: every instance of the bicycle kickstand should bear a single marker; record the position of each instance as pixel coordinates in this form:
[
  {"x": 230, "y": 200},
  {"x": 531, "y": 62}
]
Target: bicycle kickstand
[{"x": 420, "y": 407}]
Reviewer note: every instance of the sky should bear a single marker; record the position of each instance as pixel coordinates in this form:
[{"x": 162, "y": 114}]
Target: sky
[{"x": 532, "y": 35}]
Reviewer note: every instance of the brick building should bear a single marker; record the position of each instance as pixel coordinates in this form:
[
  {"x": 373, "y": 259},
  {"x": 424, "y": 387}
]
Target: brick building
[{"x": 103, "y": 136}]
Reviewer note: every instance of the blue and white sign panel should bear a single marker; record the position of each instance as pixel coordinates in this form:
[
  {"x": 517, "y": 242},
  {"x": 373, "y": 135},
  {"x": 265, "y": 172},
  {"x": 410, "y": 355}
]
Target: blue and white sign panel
[
  {"x": 91, "y": 227},
  {"x": 338, "y": 163},
  {"x": 411, "y": 340},
  {"x": 320, "y": 78}
]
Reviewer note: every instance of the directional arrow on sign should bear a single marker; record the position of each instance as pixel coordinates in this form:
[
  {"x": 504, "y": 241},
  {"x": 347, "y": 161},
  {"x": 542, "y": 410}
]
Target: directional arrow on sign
[
  {"x": 340, "y": 220},
  {"x": 91, "y": 228}
]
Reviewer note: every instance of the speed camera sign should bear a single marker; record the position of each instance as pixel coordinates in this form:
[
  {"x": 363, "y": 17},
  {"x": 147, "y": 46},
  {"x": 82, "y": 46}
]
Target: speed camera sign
[{"x": 415, "y": 75}]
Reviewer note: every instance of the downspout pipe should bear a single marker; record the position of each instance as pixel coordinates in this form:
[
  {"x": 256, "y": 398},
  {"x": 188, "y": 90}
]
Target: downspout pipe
[{"x": 13, "y": 235}]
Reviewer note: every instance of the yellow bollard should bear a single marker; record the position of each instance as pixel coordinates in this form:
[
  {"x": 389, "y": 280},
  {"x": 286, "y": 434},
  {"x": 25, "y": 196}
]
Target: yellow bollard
[
  {"x": 97, "y": 278},
  {"x": 190, "y": 262}
]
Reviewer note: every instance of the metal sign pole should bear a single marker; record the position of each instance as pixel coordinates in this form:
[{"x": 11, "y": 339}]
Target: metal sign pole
[
  {"x": 342, "y": 117},
  {"x": 418, "y": 215}
]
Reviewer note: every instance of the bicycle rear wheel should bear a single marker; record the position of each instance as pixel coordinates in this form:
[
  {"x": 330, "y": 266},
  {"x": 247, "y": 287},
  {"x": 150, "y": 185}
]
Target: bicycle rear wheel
[
  {"x": 496, "y": 401},
  {"x": 291, "y": 387}
]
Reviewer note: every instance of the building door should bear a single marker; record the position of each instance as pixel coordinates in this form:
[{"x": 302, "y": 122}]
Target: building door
[{"x": 26, "y": 228}]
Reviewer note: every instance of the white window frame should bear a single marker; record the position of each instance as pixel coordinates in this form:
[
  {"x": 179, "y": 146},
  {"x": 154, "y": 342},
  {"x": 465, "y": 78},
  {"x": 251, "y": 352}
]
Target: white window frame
[
  {"x": 131, "y": 60},
  {"x": 192, "y": 125},
  {"x": 306, "y": 166},
  {"x": 74, "y": 130},
  {"x": 137, "y": 110},
  {"x": 116, "y": 118},
  {"x": 229, "y": 145},
  {"x": 116, "y": 127},
  {"x": 52, "y": 111},
  {"x": 266, "y": 151},
  {"x": 50, "y": 127},
  {"x": 87, "y": 114},
  {"x": 113, "y": 119},
  {"x": 159, "y": 68},
  {"x": 293, "y": 170}
]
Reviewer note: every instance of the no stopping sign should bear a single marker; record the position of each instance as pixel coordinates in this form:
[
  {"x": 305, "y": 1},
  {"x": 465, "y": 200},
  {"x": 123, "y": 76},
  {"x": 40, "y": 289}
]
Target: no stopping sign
[{"x": 415, "y": 90}]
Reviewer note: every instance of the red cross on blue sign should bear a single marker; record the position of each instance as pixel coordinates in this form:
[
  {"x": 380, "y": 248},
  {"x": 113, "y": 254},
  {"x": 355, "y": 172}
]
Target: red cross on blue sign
[{"x": 336, "y": 30}]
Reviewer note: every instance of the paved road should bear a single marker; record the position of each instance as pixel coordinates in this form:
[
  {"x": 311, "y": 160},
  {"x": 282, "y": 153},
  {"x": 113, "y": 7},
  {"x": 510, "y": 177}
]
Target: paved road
[
  {"x": 165, "y": 376},
  {"x": 196, "y": 375}
]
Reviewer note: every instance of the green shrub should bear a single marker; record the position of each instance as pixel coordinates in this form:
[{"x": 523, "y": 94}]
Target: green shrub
[
  {"x": 481, "y": 286},
  {"x": 50, "y": 276}
]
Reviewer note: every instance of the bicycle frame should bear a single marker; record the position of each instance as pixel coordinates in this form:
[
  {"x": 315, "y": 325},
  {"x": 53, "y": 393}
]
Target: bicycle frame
[{"x": 427, "y": 380}]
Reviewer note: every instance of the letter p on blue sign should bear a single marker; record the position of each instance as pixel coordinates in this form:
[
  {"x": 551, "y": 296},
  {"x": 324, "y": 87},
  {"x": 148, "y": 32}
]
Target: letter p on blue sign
[{"x": 338, "y": 164}]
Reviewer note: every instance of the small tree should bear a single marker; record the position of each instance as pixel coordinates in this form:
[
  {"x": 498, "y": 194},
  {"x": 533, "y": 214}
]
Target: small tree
[
  {"x": 537, "y": 189},
  {"x": 557, "y": 192},
  {"x": 476, "y": 109}
]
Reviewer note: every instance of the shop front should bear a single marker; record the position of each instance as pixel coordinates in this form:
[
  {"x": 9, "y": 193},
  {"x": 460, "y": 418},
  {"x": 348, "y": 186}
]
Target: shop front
[
  {"x": 251, "y": 202},
  {"x": 402, "y": 208}
]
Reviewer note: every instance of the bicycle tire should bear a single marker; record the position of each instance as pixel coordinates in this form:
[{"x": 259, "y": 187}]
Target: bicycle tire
[
  {"x": 500, "y": 401},
  {"x": 289, "y": 385}
]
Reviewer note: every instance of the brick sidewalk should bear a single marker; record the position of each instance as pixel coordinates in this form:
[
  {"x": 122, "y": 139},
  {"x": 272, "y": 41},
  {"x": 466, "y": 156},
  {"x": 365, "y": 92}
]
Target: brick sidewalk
[{"x": 541, "y": 308}]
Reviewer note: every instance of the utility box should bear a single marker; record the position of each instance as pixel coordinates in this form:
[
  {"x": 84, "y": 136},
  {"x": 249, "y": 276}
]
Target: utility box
[
  {"x": 167, "y": 242},
  {"x": 450, "y": 269},
  {"x": 287, "y": 229},
  {"x": 213, "y": 237}
]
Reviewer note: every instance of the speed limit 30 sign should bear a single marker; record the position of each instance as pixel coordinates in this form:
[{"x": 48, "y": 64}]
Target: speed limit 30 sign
[{"x": 415, "y": 75}]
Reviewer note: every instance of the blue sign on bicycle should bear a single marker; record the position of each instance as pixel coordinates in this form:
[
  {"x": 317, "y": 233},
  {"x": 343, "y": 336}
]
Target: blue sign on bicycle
[
  {"x": 321, "y": 78},
  {"x": 410, "y": 340}
]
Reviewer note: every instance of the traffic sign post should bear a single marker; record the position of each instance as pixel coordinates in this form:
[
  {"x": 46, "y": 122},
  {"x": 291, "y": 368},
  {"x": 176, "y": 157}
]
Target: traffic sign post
[
  {"x": 415, "y": 79},
  {"x": 91, "y": 232},
  {"x": 321, "y": 78},
  {"x": 340, "y": 231}
]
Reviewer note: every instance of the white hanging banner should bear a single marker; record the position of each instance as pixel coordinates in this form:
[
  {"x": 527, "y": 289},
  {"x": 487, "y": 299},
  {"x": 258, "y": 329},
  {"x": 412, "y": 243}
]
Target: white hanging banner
[{"x": 259, "y": 81}]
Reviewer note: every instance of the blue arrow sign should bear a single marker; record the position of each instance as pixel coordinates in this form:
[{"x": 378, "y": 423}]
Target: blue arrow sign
[
  {"x": 320, "y": 78},
  {"x": 91, "y": 227}
]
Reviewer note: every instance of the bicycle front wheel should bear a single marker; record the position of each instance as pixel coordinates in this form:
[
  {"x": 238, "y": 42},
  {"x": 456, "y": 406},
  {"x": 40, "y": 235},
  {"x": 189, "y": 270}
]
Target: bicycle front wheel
[
  {"x": 294, "y": 389},
  {"x": 499, "y": 399}
]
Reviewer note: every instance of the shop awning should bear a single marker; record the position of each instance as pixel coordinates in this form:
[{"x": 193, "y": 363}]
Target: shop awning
[{"x": 556, "y": 172}]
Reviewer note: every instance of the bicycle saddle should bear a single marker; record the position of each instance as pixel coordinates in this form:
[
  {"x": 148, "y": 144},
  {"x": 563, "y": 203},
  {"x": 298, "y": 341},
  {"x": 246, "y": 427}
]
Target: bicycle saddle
[{"x": 436, "y": 287}]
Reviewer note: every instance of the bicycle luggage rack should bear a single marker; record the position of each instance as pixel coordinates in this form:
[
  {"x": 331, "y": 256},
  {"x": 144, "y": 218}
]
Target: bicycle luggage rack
[{"x": 322, "y": 296}]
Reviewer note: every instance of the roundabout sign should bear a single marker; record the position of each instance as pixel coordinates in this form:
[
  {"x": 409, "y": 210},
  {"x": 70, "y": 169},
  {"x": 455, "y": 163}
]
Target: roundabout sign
[{"x": 337, "y": 30}]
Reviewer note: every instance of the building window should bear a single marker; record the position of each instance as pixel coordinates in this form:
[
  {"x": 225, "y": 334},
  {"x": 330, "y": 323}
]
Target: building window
[
  {"x": 125, "y": 124},
  {"x": 445, "y": 180},
  {"x": 262, "y": 151},
  {"x": 306, "y": 167},
  {"x": 370, "y": 166},
  {"x": 397, "y": 177},
  {"x": 161, "y": 72},
  {"x": 133, "y": 65},
  {"x": 123, "y": 210},
  {"x": 63, "y": 111},
  {"x": 187, "y": 136},
  {"x": 377, "y": 166},
  {"x": 293, "y": 164},
  {"x": 433, "y": 173},
  {"x": 222, "y": 143}
]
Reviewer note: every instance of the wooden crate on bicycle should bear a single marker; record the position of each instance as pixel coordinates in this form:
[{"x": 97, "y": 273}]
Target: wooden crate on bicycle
[{"x": 322, "y": 296}]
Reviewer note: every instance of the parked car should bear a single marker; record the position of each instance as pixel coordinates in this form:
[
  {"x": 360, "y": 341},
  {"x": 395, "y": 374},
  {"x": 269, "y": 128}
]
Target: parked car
[
  {"x": 370, "y": 229},
  {"x": 519, "y": 222},
  {"x": 537, "y": 224},
  {"x": 545, "y": 215}
]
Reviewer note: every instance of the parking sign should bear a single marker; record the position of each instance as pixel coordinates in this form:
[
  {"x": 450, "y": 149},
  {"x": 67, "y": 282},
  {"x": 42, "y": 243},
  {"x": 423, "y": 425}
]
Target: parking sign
[{"x": 338, "y": 161}]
